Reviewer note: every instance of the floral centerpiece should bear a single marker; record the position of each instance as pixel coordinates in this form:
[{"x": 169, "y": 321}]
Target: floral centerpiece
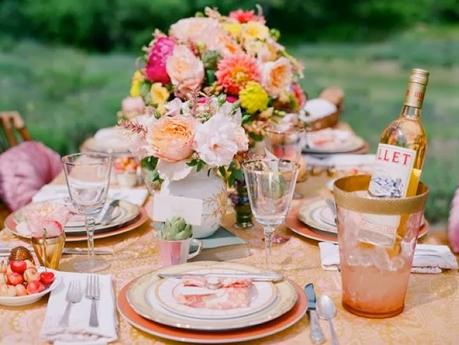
[
  {"x": 235, "y": 55},
  {"x": 188, "y": 145},
  {"x": 205, "y": 91}
]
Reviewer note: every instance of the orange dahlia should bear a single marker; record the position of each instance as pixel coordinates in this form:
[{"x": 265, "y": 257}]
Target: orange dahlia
[{"x": 235, "y": 71}]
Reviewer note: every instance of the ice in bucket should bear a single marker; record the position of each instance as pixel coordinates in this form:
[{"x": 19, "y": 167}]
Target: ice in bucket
[{"x": 375, "y": 271}]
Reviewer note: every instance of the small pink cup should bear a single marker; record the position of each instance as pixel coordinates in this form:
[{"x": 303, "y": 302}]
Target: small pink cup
[{"x": 177, "y": 252}]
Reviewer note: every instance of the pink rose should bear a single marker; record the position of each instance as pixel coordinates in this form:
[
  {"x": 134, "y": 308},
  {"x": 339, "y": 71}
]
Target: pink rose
[
  {"x": 277, "y": 76},
  {"x": 185, "y": 70},
  {"x": 155, "y": 69},
  {"x": 171, "y": 138}
]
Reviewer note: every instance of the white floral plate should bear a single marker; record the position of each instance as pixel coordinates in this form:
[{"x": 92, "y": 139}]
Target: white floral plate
[
  {"x": 262, "y": 295},
  {"x": 138, "y": 293},
  {"x": 18, "y": 301}
]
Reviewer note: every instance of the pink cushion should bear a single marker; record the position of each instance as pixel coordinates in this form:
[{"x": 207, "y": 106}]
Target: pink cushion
[
  {"x": 453, "y": 223},
  {"x": 24, "y": 169}
]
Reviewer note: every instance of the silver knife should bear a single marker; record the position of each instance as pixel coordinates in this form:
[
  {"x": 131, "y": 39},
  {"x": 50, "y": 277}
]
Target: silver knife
[
  {"x": 260, "y": 277},
  {"x": 106, "y": 214},
  {"x": 316, "y": 333}
]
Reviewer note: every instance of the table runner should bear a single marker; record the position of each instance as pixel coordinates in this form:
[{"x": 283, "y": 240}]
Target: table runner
[{"x": 431, "y": 313}]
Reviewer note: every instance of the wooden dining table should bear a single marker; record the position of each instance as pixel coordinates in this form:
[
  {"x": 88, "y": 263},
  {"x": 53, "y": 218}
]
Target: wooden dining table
[{"x": 431, "y": 314}]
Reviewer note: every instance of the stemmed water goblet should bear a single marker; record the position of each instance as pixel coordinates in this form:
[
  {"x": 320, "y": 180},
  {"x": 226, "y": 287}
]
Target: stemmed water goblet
[
  {"x": 88, "y": 179},
  {"x": 285, "y": 141},
  {"x": 270, "y": 185}
]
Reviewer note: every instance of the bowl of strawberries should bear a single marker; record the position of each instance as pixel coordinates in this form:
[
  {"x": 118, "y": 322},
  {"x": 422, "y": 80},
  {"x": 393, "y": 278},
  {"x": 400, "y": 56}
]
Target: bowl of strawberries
[{"x": 22, "y": 282}]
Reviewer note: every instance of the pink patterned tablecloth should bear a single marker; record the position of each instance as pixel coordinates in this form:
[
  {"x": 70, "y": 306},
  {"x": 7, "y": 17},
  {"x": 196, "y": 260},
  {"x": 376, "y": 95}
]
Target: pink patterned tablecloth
[{"x": 431, "y": 314}]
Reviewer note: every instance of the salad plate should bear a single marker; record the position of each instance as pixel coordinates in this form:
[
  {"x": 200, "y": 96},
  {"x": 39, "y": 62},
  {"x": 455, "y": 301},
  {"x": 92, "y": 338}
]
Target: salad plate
[{"x": 262, "y": 294}]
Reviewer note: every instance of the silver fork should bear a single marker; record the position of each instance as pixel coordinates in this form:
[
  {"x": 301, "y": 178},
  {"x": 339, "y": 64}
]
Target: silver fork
[
  {"x": 93, "y": 293},
  {"x": 74, "y": 295}
]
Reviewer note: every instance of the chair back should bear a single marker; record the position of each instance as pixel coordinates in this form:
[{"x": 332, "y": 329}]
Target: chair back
[{"x": 12, "y": 130}]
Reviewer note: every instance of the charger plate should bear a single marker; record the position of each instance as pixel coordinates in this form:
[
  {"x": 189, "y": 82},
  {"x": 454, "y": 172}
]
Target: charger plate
[
  {"x": 183, "y": 333},
  {"x": 11, "y": 224},
  {"x": 294, "y": 223}
]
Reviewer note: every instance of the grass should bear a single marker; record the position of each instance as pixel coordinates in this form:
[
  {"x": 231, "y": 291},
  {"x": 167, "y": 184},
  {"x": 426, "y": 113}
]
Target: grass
[{"x": 65, "y": 94}]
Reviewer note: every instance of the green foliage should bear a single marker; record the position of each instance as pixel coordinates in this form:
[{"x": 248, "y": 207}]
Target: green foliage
[
  {"x": 234, "y": 174},
  {"x": 197, "y": 163},
  {"x": 104, "y": 25},
  {"x": 149, "y": 163}
]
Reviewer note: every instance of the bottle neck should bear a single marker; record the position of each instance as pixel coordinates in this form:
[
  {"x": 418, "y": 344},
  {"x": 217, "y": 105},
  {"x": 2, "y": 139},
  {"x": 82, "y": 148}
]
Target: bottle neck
[{"x": 411, "y": 112}]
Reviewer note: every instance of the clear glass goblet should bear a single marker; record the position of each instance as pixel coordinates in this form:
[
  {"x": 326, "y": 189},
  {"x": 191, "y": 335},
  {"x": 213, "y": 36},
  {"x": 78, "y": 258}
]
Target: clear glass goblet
[
  {"x": 88, "y": 179},
  {"x": 285, "y": 141},
  {"x": 270, "y": 185}
]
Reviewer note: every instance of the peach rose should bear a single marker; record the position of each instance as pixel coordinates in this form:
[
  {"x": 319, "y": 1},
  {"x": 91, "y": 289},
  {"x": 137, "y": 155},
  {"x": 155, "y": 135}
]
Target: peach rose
[
  {"x": 277, "y": 76},
  {"x": 195, "y": 30},
  {"x": 185, "y": 70},
  {"x": 171, "y": 138}
]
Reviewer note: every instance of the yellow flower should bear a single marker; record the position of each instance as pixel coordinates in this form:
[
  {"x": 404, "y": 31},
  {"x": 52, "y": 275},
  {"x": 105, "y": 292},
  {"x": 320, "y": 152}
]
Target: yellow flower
[
  {"x": 234, "y": 29},
  {"x": 253, "y": 97},
  {"x": 159, "y": 94},
  {"x": 255, "y": 30},
  {"x": 136, "y": 83}
]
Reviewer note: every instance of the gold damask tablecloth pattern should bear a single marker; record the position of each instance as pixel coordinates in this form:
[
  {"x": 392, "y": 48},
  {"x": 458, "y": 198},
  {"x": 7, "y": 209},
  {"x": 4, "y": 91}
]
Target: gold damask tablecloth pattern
[{"x": 431, "y": 314}]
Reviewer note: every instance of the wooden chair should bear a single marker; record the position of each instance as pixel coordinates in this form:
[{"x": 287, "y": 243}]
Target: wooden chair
[{"x": 12, "y": 129}]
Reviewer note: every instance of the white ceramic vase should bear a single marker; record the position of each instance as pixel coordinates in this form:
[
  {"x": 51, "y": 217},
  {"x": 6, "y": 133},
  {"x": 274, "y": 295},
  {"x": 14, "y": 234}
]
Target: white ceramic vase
[{"x": 211, "y": 190}]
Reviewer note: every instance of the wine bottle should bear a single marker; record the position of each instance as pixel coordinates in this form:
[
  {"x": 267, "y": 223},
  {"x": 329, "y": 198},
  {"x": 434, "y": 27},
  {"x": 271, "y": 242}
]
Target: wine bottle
[
  {"x": 401, "y": 151},
  {"x": 399, "y": 161}
]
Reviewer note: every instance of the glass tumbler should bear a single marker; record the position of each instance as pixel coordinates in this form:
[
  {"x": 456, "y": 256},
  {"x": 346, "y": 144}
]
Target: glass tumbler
[{"x": 377, "y": 238}]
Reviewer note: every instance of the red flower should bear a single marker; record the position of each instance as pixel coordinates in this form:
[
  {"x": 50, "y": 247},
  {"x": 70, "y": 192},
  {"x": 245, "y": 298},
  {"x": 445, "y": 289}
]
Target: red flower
[
  {"x": 245, "y": 16},
  {"x": 155, "y": 69}
]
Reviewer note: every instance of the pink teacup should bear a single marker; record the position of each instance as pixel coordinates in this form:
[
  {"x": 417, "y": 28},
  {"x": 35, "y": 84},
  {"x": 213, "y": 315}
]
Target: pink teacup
[{"x": 177, "y": 252}]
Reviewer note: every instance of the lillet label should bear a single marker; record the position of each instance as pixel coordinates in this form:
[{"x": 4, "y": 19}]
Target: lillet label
[{"x": 392, "y": 171}]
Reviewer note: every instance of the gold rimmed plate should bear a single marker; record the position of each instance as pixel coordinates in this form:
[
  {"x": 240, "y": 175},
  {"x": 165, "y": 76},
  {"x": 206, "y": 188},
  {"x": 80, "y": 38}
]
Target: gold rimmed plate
[
  {"x": 165, "y": 292},
  {"x": 142, "y": 299},
  {"x": 294, "y": 223},
  {"x": 16, "y": 225},
  {"x": 248, "y": 333}
]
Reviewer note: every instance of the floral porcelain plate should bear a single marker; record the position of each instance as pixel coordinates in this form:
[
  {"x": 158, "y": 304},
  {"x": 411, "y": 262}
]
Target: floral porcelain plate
[
  {"x": 145, "y": 304},
  {"x": 262, "y": 295}
]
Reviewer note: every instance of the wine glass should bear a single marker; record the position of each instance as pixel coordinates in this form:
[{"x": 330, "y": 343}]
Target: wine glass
[
  {"x": 270, "y": 185},
  {"x": 285, "y": 141},
  {"x": 88, "y": 178}
]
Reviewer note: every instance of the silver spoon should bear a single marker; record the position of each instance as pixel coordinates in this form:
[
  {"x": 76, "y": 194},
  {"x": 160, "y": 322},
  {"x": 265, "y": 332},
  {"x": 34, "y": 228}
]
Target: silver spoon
[{"x": 327, "y": 311}]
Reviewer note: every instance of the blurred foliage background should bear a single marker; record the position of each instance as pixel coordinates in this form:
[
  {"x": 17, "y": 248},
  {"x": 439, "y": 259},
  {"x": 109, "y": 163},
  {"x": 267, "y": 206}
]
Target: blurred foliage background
[
  {"x": 66, "y": 64},
  {"x": 105, "y": 25}
]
